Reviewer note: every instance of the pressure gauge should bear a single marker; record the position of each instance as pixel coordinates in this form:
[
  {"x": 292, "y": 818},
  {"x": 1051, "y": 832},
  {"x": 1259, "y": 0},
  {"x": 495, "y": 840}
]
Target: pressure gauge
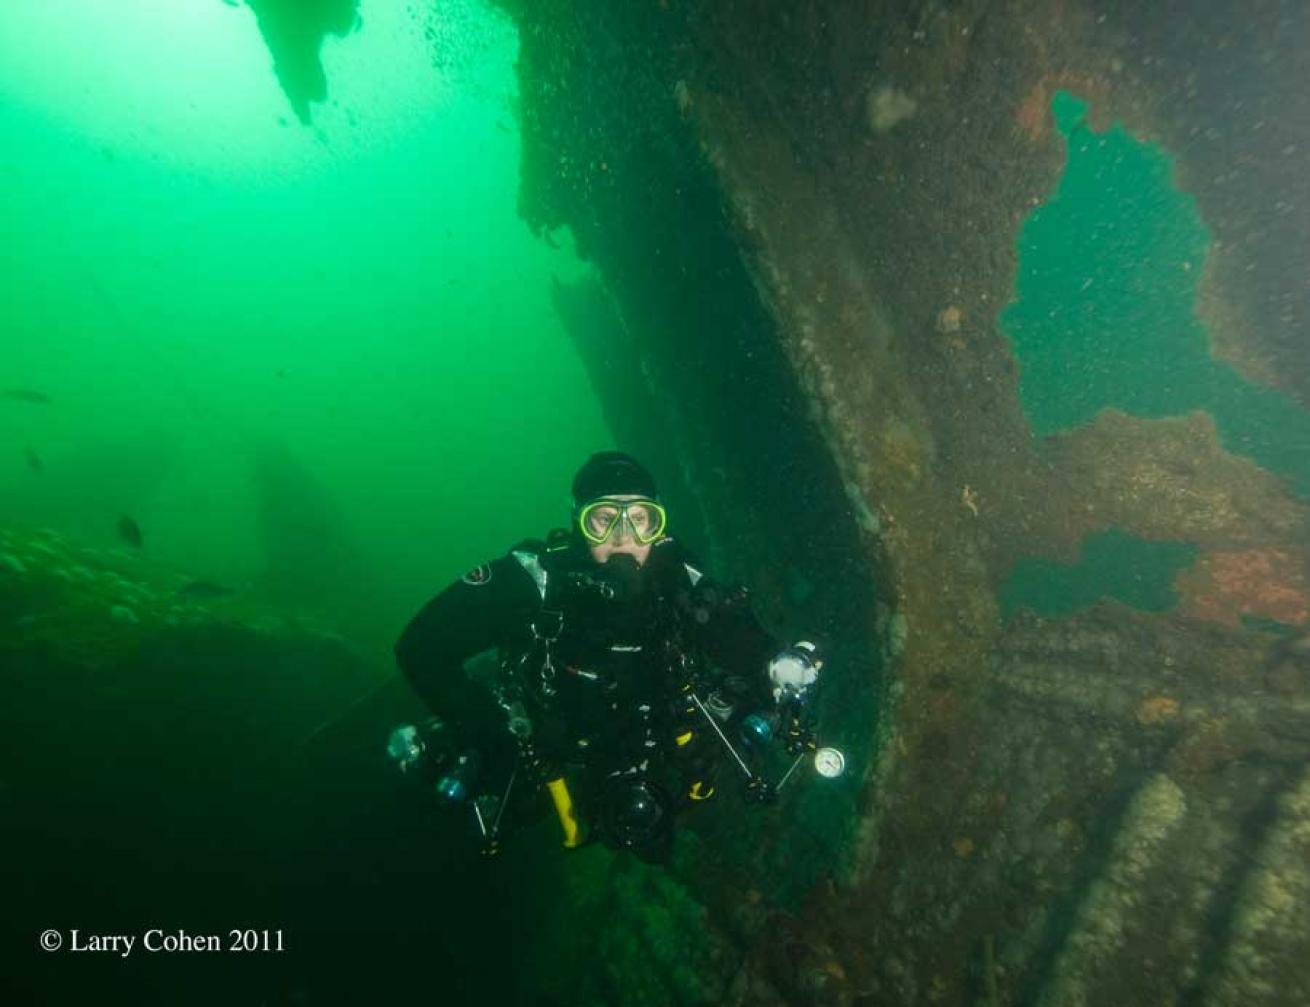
[{"x": 829, "y": 762}]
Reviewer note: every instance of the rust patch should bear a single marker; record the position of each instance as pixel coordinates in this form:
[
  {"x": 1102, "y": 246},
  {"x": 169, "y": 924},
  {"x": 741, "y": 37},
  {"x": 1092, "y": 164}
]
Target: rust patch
[
  {"x": 1224, "y": 586},
  {"x": 1033, "y": 116},
  {"x": 1156, "y": 710}
]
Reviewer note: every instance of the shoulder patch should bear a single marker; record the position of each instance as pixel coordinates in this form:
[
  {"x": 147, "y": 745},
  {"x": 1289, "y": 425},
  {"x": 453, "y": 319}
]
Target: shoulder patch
[{"x": 478, "y": 575}]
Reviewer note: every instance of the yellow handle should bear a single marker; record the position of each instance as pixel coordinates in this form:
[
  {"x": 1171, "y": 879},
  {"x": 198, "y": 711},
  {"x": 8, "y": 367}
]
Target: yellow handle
[{"x": 559, "y": 793}]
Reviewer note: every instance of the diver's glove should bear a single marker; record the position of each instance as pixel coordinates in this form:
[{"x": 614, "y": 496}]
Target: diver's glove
[{"x": 794, "y": 670}]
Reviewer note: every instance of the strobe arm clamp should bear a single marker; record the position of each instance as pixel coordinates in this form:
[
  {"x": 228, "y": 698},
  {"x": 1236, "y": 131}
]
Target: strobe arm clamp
[
  {"x": 488, "y": 810},
  {"x": 760, "y": 791},
  {"x": 797, "y": 726}
]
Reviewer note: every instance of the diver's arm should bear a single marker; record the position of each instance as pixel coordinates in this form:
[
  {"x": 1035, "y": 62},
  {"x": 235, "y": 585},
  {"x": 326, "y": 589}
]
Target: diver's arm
[
  {"x": 467, "y": 618},
  {"x": 721, "y": 623},
  {"x": 733, "y": 639}
]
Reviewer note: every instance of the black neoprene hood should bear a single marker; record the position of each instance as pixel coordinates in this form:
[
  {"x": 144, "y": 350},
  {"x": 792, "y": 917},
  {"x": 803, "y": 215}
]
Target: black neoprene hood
[{"x": 612, "y": 473}]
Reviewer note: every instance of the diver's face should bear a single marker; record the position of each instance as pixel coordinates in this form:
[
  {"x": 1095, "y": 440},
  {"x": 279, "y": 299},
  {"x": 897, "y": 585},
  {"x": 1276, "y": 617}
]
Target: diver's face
[{"x": 620, "y": 541}]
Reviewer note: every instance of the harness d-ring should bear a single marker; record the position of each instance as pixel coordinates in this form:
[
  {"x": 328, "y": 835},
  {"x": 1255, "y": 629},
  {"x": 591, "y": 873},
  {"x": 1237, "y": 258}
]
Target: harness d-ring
[{"x": 547, "y": 657}]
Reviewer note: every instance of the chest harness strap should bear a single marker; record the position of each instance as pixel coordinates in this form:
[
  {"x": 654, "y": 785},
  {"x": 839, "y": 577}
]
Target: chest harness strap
[{"x": 545, "y": 626}]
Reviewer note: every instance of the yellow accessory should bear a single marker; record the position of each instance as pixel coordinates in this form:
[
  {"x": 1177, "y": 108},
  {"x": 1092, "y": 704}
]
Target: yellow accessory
[{"x": 559, "y": 794}]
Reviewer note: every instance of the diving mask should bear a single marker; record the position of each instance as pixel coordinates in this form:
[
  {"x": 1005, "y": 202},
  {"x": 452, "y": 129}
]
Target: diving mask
[{"x": 641, "y": 519}]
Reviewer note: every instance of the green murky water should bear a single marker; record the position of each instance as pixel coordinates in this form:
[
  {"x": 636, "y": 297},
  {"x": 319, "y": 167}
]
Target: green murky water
[
  {"x": 1112, "y": 564},
  {"x": 200, "y": 285}
]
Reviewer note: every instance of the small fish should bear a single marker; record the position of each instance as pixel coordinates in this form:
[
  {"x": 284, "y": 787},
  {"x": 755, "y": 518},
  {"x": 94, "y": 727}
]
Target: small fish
[
  {"x": 130, "y": 532},
  {"x": 203, "y": 589},
  {"x": 27, "y": 395},
  {"x": 34, "y": 461}
]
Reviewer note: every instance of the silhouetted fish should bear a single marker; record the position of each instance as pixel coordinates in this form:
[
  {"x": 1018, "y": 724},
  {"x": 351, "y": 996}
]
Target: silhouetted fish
[
  {"x": 200, "y": 590},
  {"x": 130, "y": 532},
  {"x": 27, "y": 395},
  {"x": 34, "y": 461}
]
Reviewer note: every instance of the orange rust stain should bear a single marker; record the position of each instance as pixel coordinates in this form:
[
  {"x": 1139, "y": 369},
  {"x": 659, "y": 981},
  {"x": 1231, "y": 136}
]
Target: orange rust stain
[
  {"x": 1270, "y": 583},
  {"x": 1033, "y": 117},
  {"x": 963, "y": 847},
  {"x": 1156, "y": 710}
]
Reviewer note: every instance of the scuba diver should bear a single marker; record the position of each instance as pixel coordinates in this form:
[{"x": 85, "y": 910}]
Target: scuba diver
[{"x": 623, "y": 673}]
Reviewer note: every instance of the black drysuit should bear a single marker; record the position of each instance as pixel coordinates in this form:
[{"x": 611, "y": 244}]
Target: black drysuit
[{"x": 607, "y": 694}]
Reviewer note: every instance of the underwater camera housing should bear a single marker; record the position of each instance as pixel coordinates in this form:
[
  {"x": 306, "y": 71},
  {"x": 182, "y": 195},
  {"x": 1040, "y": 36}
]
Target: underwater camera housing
[{"x": 635, "y": 813}]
